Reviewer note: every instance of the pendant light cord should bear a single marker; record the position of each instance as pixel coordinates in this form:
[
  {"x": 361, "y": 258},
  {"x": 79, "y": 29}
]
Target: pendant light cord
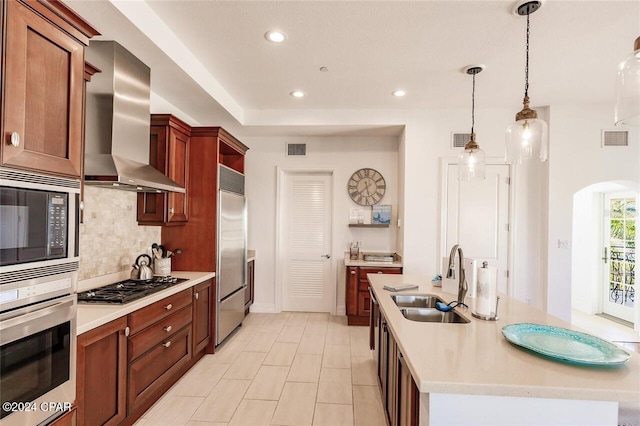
[
  {"x": 526, "y": 67},
  {"x": 473, "y": 104}
]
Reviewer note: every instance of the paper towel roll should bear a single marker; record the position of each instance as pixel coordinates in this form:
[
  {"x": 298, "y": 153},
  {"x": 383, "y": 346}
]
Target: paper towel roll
[{"x": 486, "y": 291}]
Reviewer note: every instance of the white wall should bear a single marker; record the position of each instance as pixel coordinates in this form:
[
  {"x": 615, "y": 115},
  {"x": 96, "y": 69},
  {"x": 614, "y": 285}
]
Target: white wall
[
  {"x": 577, "y": 160},
  {"x": 343, "y": 155}
]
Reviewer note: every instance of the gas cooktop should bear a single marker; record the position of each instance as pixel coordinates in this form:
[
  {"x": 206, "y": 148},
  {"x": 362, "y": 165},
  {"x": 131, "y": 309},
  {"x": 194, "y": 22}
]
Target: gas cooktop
[{"x": 127, "y": 291}]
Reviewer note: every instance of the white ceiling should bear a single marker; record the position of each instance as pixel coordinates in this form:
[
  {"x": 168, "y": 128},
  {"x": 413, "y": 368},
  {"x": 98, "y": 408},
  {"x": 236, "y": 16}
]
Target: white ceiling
[{"x": 210, "y": 58}]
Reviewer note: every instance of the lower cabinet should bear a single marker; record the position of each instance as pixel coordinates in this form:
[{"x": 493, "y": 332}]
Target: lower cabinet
[
  {"x": 124, "y": 366},
  {"x": 400, "y": 395},
  {"x": 102, "y": 374},
  {"x": 357, "y": 299},
  {"x": 203, "y": 295},
  {"x": 70, "y": 418}
]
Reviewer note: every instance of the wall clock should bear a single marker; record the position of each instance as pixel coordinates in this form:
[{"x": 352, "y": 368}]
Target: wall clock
[{"x": 366, "y": 187}]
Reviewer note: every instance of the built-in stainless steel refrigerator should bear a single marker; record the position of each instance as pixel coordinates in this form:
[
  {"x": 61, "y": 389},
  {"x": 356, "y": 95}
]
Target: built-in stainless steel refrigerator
[{"x": 231, "y": 271}]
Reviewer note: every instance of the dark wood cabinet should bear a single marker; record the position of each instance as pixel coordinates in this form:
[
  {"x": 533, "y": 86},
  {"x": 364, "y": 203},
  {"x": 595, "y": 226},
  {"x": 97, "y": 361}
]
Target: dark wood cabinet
[
  {"x": 43, "y": 87},
  {"x": 408, "y": 395},
  {"x": 399, "y": 392},
  {"x": 249, "y": 291},
  {"x": 149, "y": 372},
  {"x": 126, "y": 365},
  {"x": 208, "y": 148},
  {"x": 169, "y": 153},
  {"x": 203, "y": 295},
  {"x": 102, "y": 374},
  {"x": 70, "y": 418},
  {"x": 357, "y": 297}
]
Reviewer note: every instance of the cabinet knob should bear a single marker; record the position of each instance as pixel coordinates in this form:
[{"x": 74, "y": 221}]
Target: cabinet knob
[
  {"x": 169, "y": 306},
  {"x": 353, "y": 272},
  {"x": 167, "y": 344},
  {"x": 127, "y": 330},
  {"x": 81, "y": 205},
  {"x": 197, "y": 296},
  {"x": 14, "y": 139},
  {"x": 379, "y": 272},
  {"x": 168, "y": 328}
]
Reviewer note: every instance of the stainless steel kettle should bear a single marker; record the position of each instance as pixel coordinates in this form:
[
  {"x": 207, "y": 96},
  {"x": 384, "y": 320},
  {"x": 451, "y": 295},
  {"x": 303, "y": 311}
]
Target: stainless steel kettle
[{"x": 144, "y": 267}]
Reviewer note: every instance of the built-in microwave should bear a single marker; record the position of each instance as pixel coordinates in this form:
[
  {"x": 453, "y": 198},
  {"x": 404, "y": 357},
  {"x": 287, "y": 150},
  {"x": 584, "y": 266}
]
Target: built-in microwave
[{"x": 39, "y": 221}]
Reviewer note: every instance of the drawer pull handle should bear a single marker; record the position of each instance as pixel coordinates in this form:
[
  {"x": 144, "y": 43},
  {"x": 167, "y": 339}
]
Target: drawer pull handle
[
  {"x": 127, "y": 330},
  {"x": 197, "y": 296},
  {"x": 353, "y": 272},
  {"x": 169, "y": 306},
  {"x": 168, "y": 328},
  {"x": 379, "y": 272},
  {"x": 167, "y": 344}
]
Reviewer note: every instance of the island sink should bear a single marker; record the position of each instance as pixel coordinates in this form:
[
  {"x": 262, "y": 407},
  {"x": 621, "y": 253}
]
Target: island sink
[
  {"x": 416, "y": 300},
  {"x": 433, "y": 315}
]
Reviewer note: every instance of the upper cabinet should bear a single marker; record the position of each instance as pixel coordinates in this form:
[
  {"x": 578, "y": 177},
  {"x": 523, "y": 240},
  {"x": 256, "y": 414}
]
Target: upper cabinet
[
  {"x": 43, "y": 86},
  {"x": 169, "y": 153}
]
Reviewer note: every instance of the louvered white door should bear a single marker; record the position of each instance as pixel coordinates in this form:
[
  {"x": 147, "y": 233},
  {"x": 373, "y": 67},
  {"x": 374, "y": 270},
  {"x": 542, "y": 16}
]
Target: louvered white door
[{"x": 307, "y": 261}]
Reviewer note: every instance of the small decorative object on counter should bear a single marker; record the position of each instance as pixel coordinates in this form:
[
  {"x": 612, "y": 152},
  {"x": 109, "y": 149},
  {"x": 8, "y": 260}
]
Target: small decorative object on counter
[{"x": 354, "y": 251}]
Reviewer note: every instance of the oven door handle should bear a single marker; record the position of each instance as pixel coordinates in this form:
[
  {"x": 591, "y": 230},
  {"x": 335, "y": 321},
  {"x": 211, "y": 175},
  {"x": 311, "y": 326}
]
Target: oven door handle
[{"x": 29, "y": 320}]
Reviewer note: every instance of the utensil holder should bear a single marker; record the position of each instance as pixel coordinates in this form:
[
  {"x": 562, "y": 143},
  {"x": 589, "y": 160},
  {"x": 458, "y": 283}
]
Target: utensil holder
[{"x": 162, "y": 267}]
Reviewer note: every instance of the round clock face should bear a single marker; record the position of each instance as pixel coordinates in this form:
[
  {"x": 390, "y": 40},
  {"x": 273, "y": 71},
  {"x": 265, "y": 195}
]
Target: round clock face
[{"x": 366, "y": 187}]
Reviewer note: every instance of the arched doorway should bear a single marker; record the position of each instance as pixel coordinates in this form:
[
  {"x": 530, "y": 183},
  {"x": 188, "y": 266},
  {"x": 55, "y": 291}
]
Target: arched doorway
[{"x": 603, "y": 279}]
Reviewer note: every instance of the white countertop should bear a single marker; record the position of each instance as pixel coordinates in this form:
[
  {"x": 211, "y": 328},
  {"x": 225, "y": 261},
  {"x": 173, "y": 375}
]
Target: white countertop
[
  {"x": 93, "y": 316},
  {"x": 476, "y": 359}
]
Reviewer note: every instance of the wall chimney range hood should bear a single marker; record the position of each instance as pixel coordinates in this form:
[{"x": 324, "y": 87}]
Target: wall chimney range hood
[{"x": 118, "y": 123}]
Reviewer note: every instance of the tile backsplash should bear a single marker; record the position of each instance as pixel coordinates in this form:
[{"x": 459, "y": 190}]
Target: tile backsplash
[{"x": 110, "y": 238}]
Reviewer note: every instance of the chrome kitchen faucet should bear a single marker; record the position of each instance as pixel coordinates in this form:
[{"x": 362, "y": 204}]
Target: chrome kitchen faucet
[{"x": 462, "y": 279}]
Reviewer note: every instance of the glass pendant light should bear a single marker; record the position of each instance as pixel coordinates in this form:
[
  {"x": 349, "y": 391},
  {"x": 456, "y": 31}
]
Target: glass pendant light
[
  {"x": 528, "y": 137},
  {"x": 628, "y": 89},
  {"x": 471, "y": 161}
]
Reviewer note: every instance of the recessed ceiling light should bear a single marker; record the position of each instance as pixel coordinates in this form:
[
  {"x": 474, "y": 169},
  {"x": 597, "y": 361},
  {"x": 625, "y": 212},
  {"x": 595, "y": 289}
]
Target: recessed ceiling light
[
  {"x": 398, "y": 93},
  {"x": 297, "y": 94},
  {"x": 324, "y": 69},
  {"x": 275, "y": 36}
]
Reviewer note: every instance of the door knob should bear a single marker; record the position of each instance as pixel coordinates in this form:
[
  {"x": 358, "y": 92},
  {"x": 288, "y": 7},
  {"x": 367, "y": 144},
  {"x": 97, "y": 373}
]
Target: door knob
[{"x": 328, "y": 256}]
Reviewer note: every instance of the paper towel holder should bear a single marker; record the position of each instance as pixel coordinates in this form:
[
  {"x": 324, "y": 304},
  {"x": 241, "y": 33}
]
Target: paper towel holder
[{"x": 493, "y": 317}]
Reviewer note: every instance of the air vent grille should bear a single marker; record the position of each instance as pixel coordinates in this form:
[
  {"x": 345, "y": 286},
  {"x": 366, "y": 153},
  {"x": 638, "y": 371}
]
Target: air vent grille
[
  {"x": 615, "y": 138},
  {"x": 43, "y": 271},
  {"x": 38, "y": 179},
  {"x": 459, "y": 140},
  {"x": 296, "y": 149}
]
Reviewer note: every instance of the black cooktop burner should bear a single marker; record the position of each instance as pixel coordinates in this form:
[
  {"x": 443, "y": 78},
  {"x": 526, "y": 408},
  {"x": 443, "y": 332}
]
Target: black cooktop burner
[{"x": 127, "y": 291}]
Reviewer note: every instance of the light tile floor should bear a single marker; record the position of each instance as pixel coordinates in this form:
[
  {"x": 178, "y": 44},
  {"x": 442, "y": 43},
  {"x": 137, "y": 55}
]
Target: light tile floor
[{"x": 292, "y": 368}]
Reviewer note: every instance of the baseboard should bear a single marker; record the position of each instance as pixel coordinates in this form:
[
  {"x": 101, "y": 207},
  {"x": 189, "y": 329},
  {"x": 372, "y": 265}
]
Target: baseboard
[{"x": 263, "y": 308}]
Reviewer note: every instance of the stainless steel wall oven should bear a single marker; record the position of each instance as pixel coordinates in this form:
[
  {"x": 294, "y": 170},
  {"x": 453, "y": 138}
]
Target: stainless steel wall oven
[{"x": 39, "y": 221}]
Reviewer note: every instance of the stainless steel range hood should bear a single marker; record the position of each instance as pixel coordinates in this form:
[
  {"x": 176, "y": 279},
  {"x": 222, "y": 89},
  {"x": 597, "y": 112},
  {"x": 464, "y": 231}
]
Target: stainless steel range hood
[{"x": 118, "y": 123}]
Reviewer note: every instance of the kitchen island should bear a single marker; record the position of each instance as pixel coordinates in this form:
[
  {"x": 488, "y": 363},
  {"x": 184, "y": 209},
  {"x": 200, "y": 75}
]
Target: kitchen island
[{"x": 470, "y": 374}]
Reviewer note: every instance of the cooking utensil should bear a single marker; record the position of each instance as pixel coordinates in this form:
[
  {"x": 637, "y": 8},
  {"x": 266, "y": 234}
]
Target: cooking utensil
[
  {"x": 146, "y": 273},
  {"x": 173, "y": 253},
  {"x": 163, "y": 251}
]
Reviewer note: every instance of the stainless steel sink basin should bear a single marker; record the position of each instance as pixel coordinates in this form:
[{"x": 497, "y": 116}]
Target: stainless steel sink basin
[
  {"x": 416, "y": 300},
  {"x": 433, "y": 315}
]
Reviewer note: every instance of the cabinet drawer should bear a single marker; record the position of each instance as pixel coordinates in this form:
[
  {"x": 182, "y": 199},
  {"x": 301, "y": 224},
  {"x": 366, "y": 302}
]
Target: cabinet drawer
[
  {"x": 157, "y": 333},
  {"x": 364, "y": 271},
  {"x": 148, "y": 315},
  {"x": 364, "y": 303},
  {"x": 363, "y": 284},
  {"x": 150, "y": 371}
]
